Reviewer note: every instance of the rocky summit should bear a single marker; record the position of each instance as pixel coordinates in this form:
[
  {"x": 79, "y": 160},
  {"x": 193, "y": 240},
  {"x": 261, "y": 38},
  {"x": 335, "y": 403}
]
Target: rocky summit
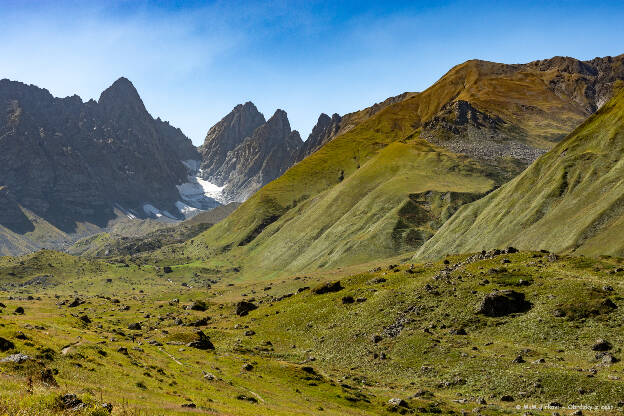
[
  {"x": 242, "y": 152},
  {"x": 68, "y": 161},
  {"x": 68, "y": 167}
]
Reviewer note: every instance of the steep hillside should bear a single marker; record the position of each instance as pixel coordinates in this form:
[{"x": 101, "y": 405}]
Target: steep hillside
[
  {"x": 378, "y": 188},
  {"x": 569, "y": 200}
]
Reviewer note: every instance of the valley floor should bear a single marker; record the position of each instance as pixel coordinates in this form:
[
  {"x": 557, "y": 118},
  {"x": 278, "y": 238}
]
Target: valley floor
[{"x": 488, "y": 333}]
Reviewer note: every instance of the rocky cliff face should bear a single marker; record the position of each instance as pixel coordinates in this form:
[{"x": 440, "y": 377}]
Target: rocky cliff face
[
  {"x": 225, "y": 136},
  {"x": 72, "y": 162},
  {"x": 326, "y": 128},
  {"x": 242, "y": 152}
]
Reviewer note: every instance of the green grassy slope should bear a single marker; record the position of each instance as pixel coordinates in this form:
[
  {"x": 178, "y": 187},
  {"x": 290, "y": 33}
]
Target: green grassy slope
[
  {"x": 342, "y": 204},
  {"x": 367, "y": 215},
  {"x": 312, "y": 353},
  {"x": 569, "y": 200}
]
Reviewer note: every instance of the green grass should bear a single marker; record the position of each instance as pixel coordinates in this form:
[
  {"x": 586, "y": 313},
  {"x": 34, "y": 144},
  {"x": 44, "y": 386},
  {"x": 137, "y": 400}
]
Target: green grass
[
  {"x": 412, "y": 310},
  {"x": 569, "y": 200},
  {"x": 341, "y": 205}
]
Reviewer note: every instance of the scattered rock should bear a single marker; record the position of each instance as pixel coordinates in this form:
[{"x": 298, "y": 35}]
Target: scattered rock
[
  {"x": 347, "y": 300},
  {"x": 122, "y": 350},
  {"x": 244, "y": 307},
  {"x": 518, "y": 360},
  {"x": 250, "y": 332},
  {"x": 200, "y": 322},
  {"x": 70, "y": 401},
  {"x": 198, "y": 305},
  {"x": 47, "y": 377},
  {"x": 19, "y": 310},
  {"x": 15, "y": 358},
  {"x": 167, "y": 269},
  {"x": 85, "y": 319},
  {"x": 458, "y": 331},
  {"x": 395, "y": 401},
  {"x": 202, "y": 342},
  {"x": 248, "y": 367},
  {"x": 135, "y": 326},
  {"x": 247, "y": 398},
  {"x": 21, "y": 336},
  {"x": 76, "y": 302},
  {"x": 6, "y": 345},
  {"x": 328, "y": 287},
  {"x": 609, "y": 359},
  {"x": 189, "y": 405},
  {"x": 504, "y": 302},
  {"x": 601, "y": 345},
  {"x": 507, "y": 398}
]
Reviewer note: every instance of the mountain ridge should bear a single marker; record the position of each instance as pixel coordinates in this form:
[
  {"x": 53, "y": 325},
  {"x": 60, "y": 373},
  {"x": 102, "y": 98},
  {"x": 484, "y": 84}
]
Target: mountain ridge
[{"x": 569, "y": 200}]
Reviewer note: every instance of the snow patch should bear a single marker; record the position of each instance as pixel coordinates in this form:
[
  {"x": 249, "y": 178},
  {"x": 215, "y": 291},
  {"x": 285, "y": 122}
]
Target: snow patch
[
  {"x": 198, "y": 192},
  {"x": 152, "y": 210},
  {"x": 185, "y": 209}
]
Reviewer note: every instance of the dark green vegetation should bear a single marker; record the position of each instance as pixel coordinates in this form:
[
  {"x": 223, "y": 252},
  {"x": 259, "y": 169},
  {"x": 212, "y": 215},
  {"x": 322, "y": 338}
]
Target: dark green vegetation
[
  {"x": 569, "y": 200},
  {"x": 415, "y": 332}
]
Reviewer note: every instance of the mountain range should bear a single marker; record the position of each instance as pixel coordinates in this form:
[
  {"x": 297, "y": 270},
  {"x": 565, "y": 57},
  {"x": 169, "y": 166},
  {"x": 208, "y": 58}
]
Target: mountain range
[
  {"x": 71, "y": 168},
  {"x": 368, "y": 184},
  {"x": 396, "y": 262},
  {"x": 394, "y": 174}
]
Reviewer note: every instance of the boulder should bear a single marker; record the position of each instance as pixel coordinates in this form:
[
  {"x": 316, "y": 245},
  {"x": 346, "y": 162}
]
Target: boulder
[
  {"x": 244, "y": 307},
  {"x": 328, "y": 287},
  {"x": 504, "y": 302},
  {"x": 15, "y": 358},
  {"x": 601, "y": 345},
  {"x": 202, "y": 342},
  {"x": 6, "y": 345},
  {"x": 198, "y": 305}
]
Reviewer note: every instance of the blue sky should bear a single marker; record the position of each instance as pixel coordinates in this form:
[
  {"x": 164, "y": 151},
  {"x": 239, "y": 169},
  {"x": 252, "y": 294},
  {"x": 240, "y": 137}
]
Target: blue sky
[{"x": 193, "y": 61}]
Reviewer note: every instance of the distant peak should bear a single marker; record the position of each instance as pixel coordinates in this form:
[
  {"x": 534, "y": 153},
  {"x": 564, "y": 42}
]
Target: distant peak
[
  {"x": 248, "y": 107},
  {"x": 323, "y": 118},
  {"x": 280, "y": 114},
  {"x": 119, "y": 88},
  {"x": 121, "y": 93}
]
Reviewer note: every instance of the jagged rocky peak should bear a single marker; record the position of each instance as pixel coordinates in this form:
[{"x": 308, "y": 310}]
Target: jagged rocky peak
[
  {"x": 243, "y": 152},
  {"x": 278, "y": 126},
  {"x": 235, "y": 127},
  {"x": 121, "y": 96},
  {"x": 70, "y": 162},
  {"x": 224, "y": 136},
  {"x": 326, "y": 128}
]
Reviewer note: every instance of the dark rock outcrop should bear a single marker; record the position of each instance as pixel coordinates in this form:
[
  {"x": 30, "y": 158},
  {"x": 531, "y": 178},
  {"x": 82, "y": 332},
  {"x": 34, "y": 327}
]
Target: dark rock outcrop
[
  {"x": 6, "y": 345},
  {"x": 325, "y": 130},
  {"x": 225, "y": 136},
  {"x": 504, "y": 302},
  {"x": 328, "y": 287},
  {"x": 202, "y": 342},
  {"x": 243, "y": 308}
]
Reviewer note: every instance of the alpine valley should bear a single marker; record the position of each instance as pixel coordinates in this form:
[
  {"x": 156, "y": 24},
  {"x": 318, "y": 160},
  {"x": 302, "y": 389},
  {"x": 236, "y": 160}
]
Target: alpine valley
[{"x": 451, "y": 251}]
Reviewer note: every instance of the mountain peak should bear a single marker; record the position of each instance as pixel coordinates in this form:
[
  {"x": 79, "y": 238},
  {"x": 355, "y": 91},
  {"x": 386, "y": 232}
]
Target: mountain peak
[
  {"x": 122, "y": 94},
  {"x": 279, "y": 119}
]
